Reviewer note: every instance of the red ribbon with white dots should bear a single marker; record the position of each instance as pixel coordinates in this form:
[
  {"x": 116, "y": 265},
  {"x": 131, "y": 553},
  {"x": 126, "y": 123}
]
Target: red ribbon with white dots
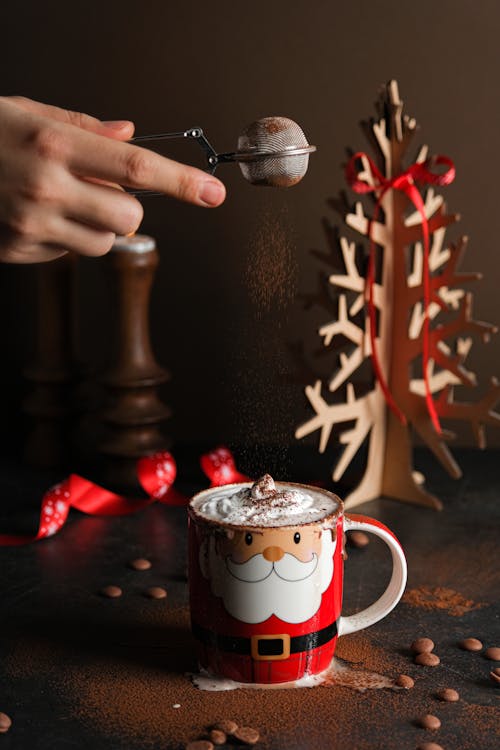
[
  {"x": 156, "y": 475},
  {"x": 220, "y": 467}
]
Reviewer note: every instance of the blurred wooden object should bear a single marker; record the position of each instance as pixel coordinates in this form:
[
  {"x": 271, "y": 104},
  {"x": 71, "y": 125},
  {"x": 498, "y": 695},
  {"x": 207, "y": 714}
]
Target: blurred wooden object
[
  {"x": 49, "y": 404},
  {"x": 133, "y": 412}
]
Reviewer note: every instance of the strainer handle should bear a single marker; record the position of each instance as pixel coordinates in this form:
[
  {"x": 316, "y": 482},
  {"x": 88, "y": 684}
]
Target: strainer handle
[{"x": 196, "y": 134}]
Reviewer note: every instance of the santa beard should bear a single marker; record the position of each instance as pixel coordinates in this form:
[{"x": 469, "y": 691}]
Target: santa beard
[{"x": 255, "y": 590}]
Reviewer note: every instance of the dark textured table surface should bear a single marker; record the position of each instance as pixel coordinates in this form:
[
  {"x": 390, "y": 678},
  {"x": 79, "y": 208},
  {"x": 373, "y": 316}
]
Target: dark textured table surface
[{"x": 79, "y": 670}]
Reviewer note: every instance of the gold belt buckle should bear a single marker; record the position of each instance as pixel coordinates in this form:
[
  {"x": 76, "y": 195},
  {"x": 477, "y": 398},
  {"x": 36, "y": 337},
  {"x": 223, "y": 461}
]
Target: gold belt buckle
[{"x": 259, "y": 656}]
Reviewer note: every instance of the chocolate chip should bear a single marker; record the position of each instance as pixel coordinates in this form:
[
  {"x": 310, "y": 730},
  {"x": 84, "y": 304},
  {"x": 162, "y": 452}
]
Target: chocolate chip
[
  {"x": 471, "y": 644},
  {"x": 448, "y": 694},
  {"x": 427, "y": 659},
  {"x": 140, "y": 564},
  {"x": 428, "y": 721},
  {"x": 228, "y": 726},
  {"x": 247, "y": 735},
  {"x": 430, "y": 746},
  {"x": 422, "y": 646},
  {"x": 200, "y": 745},
  {"x": 495, "y": 676},
  {"x": 492, "y": 653},
  {"x": 155, "y": 592},
  {"x": 218, "y": 737},
  {"x": 5, "y": 723},
  {"x": 404, "y": 681},
  {"x": 111, "y": 592},
  {"x": 358, "y": 539}
]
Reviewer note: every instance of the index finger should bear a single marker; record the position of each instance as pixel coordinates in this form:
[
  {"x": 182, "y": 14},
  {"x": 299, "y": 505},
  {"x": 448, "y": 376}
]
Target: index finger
[{"x": 96, "y": 156}]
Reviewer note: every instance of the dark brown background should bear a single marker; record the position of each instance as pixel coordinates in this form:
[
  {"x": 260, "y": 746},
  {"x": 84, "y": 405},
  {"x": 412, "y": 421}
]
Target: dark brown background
[{"x": 169, "y": 66}]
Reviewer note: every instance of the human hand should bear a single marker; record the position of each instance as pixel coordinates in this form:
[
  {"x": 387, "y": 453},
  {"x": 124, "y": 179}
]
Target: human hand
[{"x": 61, "y": 174}]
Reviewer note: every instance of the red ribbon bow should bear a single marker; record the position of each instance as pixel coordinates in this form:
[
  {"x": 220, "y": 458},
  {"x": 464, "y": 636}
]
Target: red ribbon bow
[{"x": 406, "y": 183}]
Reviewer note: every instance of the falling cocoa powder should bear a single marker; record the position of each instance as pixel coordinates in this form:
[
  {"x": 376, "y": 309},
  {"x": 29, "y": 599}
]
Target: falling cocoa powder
[
  {"x": 271, "y": 273},
  {"x": 261, "y": 371},
  {"x": 439, "y": 598}
]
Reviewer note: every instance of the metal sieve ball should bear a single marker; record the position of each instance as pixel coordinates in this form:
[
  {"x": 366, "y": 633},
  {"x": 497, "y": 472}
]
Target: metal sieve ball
[{"x": 273, "y": 151}]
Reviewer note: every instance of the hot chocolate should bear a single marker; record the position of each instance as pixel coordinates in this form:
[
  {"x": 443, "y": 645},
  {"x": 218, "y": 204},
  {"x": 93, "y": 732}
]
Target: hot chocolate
[{"x": 265, "y": 577}]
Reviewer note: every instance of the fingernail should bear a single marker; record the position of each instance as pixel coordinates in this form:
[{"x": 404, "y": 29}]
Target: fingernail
[
  {"x": 116, "y": 124},
  {"x": 211, "y": 193}
]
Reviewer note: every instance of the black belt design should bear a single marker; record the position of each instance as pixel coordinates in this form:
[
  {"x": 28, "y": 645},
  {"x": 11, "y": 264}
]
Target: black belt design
[{"x": 266, "y": 647}]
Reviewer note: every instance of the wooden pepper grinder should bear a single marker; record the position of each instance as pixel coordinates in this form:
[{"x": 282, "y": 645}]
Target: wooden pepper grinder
[
  {"x": 133, "y": 412},
  {"x": 49, "y": 404}
]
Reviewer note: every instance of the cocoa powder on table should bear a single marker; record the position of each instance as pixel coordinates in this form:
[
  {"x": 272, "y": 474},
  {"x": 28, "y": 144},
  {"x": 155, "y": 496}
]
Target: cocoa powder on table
[
  {"x": 130, "y": 692},
  {"x": 447, "y": 564},
  {"x": 439, "y": 598}
]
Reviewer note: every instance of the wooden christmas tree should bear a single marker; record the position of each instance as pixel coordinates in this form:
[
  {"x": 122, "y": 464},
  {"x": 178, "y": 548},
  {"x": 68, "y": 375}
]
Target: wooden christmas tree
[{"x": 422, "y": 326}]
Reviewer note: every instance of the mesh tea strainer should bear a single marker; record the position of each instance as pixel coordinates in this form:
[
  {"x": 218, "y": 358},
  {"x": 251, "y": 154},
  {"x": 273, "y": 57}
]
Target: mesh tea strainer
[{"x": 272, "y": 151}]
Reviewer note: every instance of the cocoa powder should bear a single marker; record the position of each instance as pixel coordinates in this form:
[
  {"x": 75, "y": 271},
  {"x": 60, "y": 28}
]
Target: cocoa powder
[
  {"x": 439, "y": 598},
  {"x": 271, "y": 271},
  {"x": 270, "y": 282},
  {"x": 131, "y": 691},
  {"x": 448, "y": 563}
]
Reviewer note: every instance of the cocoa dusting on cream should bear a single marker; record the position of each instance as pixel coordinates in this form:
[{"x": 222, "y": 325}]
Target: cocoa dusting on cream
[{"x": 266, "y": 504}]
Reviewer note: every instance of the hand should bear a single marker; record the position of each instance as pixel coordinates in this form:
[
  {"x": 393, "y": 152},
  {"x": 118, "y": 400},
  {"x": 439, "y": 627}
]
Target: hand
[{"x": 61, "y": 174}]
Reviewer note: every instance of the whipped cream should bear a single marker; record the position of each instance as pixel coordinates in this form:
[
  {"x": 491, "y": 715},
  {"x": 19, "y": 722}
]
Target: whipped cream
[{"x": 265, "y": 504}]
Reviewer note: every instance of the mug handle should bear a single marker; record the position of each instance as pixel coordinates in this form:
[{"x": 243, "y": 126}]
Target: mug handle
[{"x": 394, "y": 590}]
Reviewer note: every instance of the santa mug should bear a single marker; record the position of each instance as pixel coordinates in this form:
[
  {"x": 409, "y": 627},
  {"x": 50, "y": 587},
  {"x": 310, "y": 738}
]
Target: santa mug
[{"x": 266, "y": 578}]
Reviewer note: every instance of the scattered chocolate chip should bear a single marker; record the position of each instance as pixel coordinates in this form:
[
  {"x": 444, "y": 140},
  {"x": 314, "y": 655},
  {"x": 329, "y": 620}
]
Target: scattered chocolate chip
[
  {"x": 492, "y": 653},
  {"x": 111, "y": 592},
  {"x": 358, "y": 539},
  {"x": 471, "y": 644},
  {"x": 155, "y": 592},
  {"x": 247, "y": 735},
  {"x": 422, "y": 646},
  {"x": 430, "y": 746},
  {"x": 5, "y": 723},
  {"x": 404, "y": 681},
  {"x": 200, "y": 745},
  {"x": 228, "y": 726},
  {"x": 448, "y": 694},
  {"x": 428, "y": 721},
  {"x": 218, "y": 737},
  {"x": 427, "y": 659},
  {"x": 140, "y": 564},
  {"x": 495, "y": 676}
]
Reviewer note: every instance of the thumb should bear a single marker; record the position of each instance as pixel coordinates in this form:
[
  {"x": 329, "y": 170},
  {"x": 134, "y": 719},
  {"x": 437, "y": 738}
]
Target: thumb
[{"x": 121, "y": 130}]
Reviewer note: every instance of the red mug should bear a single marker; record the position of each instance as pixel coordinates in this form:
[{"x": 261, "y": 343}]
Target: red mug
[{"x": 266, "y": 599}]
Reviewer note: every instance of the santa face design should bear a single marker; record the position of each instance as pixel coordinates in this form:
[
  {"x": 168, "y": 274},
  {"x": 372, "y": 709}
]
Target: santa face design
[{"x": 261, "y": 572}]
